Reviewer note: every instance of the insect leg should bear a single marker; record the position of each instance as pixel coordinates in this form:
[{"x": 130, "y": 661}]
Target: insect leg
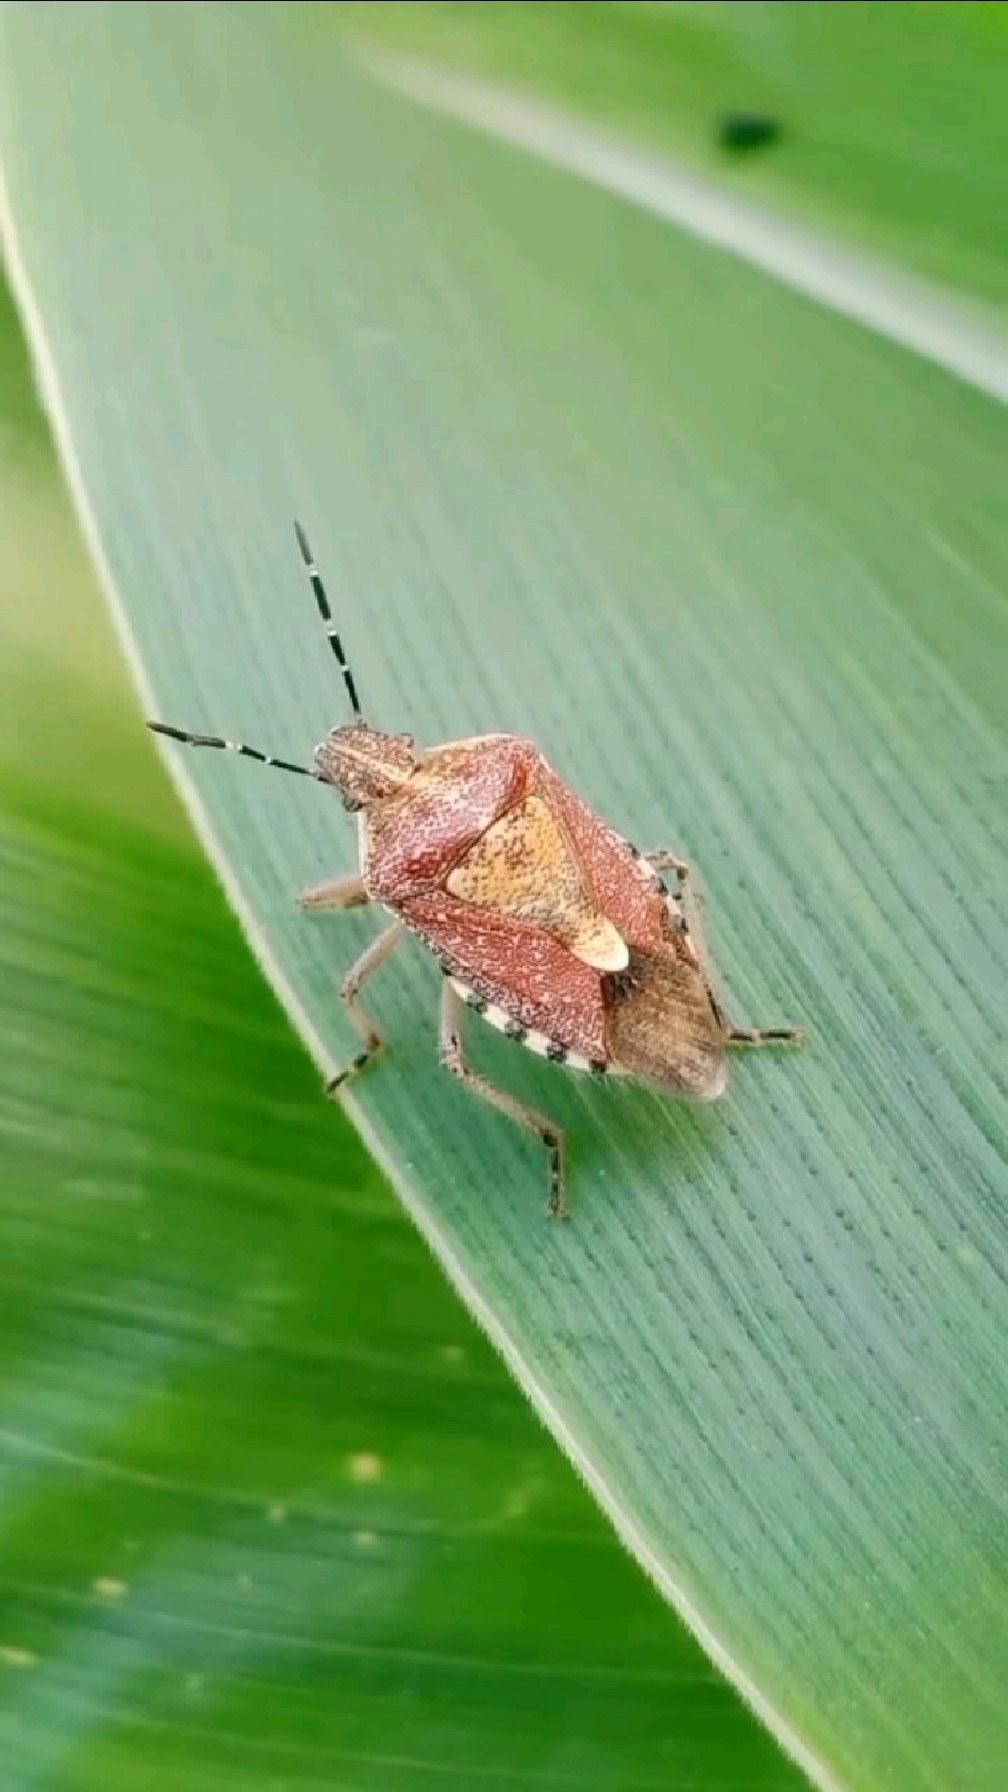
[
  {"x": 765, "y": 1036},
  {"x": 733, "y": 1035},
  {"x": 335, "y": 893},
  {"x": 352, "y": 984},
  {"x": 663, "y": 860},
  {"x": 529, "y": 1118}
]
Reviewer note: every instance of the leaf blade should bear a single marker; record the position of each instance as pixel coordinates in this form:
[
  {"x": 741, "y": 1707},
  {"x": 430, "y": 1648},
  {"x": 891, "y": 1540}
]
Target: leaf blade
[
  {"x": 781, "y": 1263},
  {"x": 200, "y": 1370}
]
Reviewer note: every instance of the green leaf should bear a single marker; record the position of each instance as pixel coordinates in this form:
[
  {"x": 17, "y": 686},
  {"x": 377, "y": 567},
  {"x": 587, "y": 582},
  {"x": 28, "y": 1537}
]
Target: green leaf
[
  {"x": 891, "y": 119},
  {"x": 734, "y": 562},
  {"x": 253, "y": 1457}
]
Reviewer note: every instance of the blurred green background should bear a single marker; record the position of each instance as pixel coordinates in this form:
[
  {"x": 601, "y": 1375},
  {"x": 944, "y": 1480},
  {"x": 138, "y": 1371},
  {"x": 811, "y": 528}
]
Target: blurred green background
[
  {"x": 275, "y": 1515},
  {"x": 893, "y": 116}
]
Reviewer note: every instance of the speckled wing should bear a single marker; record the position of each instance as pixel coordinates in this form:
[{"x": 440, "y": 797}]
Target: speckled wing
[
  {"x": 413, "y": 840},
  {"x": 516, "y": 966},
  {"x": 660, "y": 1025}
]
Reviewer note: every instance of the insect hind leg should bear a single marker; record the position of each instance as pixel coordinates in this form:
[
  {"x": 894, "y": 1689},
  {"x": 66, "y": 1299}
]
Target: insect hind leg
[
  {"x": 452, "y": 1059},
  {"x": 352, "y": 984},
  {"x": 684, "y": 902},
  {"x": 755, "y": 1036}
]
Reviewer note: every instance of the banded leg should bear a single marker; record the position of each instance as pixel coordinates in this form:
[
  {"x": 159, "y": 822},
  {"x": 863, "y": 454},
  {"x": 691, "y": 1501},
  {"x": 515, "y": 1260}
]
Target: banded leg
[
  {"x": 765, "y": 1036},
  {"x": 750, "y": 1036},
  {"x": 734, "y": 1035},
  {"x": 335, "y": 893},
  {"x": 661, "y": 859},
  {"x": 680, "y": 906},
  {"x": 350, "y": 988},
  {"x": 683, "y": 904},
  {"x": 529, "y": 1118}
]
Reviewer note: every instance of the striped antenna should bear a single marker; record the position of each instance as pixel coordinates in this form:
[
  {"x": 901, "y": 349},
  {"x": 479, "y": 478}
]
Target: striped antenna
[
  {"x": 326, "y": 615},
  {"x": 229, "y": 746}
]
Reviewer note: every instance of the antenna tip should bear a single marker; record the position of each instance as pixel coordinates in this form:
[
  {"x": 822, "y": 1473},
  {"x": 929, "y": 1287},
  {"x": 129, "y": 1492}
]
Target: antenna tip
[{"x": 302, "y": 541}]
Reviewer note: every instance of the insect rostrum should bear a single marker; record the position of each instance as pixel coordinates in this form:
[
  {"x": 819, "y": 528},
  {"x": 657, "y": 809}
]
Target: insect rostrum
[{"x": 543, "y": 919}]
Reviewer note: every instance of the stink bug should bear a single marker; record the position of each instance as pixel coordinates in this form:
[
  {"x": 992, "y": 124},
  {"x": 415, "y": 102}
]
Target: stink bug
[{"x": 543, "y": 919}]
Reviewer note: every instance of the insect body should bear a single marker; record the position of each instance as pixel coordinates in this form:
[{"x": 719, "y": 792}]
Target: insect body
[{"x": 545, "y": 921}]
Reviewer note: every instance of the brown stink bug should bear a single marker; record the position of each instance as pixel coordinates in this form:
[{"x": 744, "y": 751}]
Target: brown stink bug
[{"x": 543, "y": 919}]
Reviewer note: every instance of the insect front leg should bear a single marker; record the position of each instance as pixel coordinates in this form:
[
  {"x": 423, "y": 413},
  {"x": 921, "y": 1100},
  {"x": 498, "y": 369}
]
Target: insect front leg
[
  {"x": 335, "y": 893},
  {"x": 350, "y": 988},
  {"x": 452, "y": 1010},
  {"x": 661, "y": 859}
]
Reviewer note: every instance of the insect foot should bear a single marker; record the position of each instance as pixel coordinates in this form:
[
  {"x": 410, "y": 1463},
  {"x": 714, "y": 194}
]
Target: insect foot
[
  {"x": 766, "y": 1036},
  {"x": 336, "y": 1082}
]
